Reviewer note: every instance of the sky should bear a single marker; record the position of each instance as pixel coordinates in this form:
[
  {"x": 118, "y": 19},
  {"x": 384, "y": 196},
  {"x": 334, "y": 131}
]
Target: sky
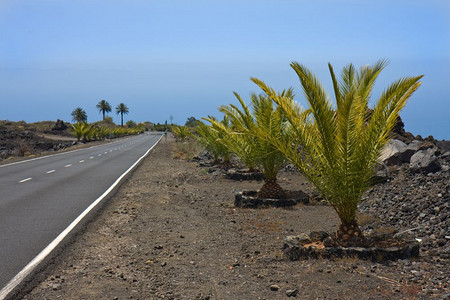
[{"x": 176, "y": 59}]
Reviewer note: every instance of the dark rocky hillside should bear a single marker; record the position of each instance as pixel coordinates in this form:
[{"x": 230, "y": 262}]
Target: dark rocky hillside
[{"x": 23, "y": 139}]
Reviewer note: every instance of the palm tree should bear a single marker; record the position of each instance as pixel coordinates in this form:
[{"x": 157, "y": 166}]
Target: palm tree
[
  {"x": 212, "y": 140},
  {"x": 104, "y": 107},
  {"x": 79, "y": 115},
  {"x": 337, "y": 148},
  {"x": 82, "y": 130},
  {"x": 121, "y": 109},
  {"x": 181, "y": 132},
  {"x": 238, "y": 143},
  {"x": 253, "y": 149}
]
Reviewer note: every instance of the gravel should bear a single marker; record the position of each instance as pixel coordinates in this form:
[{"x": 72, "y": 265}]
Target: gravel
[{"x": 172, "y": 232}]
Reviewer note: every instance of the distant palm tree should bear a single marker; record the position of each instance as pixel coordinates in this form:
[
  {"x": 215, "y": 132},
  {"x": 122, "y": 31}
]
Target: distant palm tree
[
  {"x": 104, "y": 107},
  {"x": 79, "y": 115},
  {"x": 121, "y": 109}
]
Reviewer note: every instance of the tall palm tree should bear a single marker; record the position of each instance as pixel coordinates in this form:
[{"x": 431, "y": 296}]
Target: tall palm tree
[
  {"x": 104, "y": 107},
  {"x": 79, "y": 115},
  {"x": 337, "y": 148},
  {"x": 121, "y": 109}
]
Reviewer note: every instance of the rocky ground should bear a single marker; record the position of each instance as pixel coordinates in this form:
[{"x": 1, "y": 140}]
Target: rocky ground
[
  {"x": 172, "y": 232},
  {"x": 20, "y": 139}
]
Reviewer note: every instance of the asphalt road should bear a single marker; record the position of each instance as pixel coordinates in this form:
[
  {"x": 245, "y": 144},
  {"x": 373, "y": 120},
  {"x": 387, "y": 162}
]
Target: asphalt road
[{"x": 40, "y": 198}]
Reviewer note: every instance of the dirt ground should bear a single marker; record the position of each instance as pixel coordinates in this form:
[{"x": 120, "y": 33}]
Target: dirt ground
[{"x": 172, "y": 232}]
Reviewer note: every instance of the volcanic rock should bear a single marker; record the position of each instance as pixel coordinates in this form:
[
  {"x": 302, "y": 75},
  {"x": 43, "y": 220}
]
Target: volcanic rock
[
  {"x": 425, "y": 161},
  {"x": 397, "y": 152},
  {"x": 382, "y": 248},
  {"x": 59, "y": 125},
  {"x": 249, "y": 199}
]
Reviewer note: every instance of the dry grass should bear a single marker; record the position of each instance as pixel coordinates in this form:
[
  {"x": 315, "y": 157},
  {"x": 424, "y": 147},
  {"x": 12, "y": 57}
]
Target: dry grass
[
  {"x": 179, "y": 155},
  {"x": 187, "y": 149}
]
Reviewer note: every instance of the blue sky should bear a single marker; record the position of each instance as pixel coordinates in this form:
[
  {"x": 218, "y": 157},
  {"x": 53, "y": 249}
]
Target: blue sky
[{"x": 185, "y": 58}]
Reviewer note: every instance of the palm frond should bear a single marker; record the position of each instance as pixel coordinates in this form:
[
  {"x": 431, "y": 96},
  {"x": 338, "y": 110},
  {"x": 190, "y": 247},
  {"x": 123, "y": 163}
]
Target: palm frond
[{"x": 336, "y": 148}]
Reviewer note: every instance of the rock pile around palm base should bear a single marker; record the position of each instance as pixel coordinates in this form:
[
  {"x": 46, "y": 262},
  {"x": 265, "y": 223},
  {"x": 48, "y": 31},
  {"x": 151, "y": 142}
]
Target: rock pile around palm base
[
  {"x": 323, "y": 245},
  {"x": 250, "y": 199}
]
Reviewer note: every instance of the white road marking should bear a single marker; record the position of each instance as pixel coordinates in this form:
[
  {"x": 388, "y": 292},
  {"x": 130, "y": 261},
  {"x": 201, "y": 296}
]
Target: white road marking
[
  {"x": 51, "y": 171},
  {"x": 82, "y": 161},
  {"x": 13, "y": 283},
  {"x": 110, "y": 150},
  {"x": 69, "y": 165},
  {"x": 99, "y": 155},
  {"x": 25, "y": 180},
  {"x": 47, "y": 156},
  {"x": 106, "y": 152},
  {"x": 91, "y": 157}
]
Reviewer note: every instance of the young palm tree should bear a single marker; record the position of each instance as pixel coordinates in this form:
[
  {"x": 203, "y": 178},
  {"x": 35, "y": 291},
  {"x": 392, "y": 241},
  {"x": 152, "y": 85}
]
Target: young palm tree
[
  {"x": 267, "y": 118},
  {"x": 211, "y": 139},
  {"x": 337, "y": 148},
  {"x": 104, "y": 107},
  {"x": 82, "y": 130},
  {"x": 121, "y": 109},
  {"x": 238, "y": 143},
  {"x": 79, "y": 115},
  {"x": 181, "y": 132}
]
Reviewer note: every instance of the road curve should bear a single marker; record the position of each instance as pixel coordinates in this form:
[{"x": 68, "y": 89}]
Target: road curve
[{"x": 41, "y": 197}]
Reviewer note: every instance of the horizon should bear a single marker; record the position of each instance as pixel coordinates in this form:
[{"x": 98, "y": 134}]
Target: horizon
[{"x": 182, "y": 59}]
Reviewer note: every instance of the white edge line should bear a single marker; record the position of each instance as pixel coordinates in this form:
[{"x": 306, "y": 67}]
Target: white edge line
[
  {"x": 25, "y": 180},
  {"x": 13, "y": 283}
]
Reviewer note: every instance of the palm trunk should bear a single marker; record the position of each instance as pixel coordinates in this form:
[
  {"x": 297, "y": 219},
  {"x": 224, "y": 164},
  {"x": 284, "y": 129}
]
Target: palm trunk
[
  {"x": 121, "y": 120},
  {"x": 272, "y": 190},
  {"x": 349, "y": 235}
]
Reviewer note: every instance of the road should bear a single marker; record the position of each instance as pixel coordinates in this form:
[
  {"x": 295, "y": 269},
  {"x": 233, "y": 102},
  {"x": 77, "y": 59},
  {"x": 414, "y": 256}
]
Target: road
[{"x": 40, "y": 198}]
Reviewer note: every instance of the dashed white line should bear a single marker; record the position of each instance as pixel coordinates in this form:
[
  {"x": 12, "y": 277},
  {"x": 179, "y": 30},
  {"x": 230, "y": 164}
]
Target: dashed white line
[
  {"x": 25, "y": 180},
  {"x": 51, "y": 171},
  {"x": 18, "y": 279},
  {"x": 82, "y": 161},
  {"x": 91, "y": 157},
  {"x": 99, "y": 155},
  {"x": 69, "y": 165}
]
